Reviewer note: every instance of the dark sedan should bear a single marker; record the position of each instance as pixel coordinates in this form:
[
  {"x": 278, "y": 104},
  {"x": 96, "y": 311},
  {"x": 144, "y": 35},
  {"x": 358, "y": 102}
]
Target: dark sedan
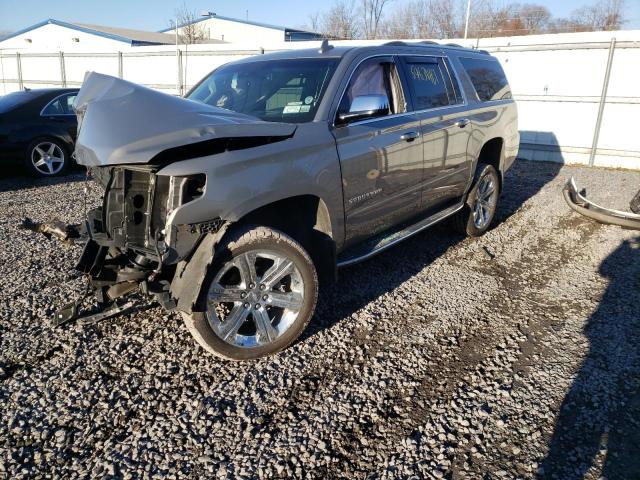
[{"x": 38, "y": 129}]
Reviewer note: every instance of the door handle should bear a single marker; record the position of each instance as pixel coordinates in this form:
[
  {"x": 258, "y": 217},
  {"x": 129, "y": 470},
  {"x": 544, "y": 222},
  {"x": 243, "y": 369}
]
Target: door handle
[
  {"x": 409, "y": 136},
  {"x": 463, "y": 122}
]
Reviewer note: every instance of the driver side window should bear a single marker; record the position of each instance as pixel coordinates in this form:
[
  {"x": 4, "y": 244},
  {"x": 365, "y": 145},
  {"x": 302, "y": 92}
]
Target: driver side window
[{"x": 375, "y": 77}]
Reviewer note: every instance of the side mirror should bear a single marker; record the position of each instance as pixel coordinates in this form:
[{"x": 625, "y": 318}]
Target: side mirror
[{"x": 365, "y": 106}]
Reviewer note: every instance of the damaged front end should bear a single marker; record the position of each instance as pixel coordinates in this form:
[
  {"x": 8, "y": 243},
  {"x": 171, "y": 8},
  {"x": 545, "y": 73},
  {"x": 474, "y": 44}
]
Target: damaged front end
[
  {"x": 129, "y": 240},
  {"x": 577, "y": 200},
  {"x": 134, "y": 241}
]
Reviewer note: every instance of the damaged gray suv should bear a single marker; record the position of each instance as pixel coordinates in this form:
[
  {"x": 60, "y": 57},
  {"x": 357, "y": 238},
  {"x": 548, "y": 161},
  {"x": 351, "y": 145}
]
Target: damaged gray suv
[{"x": 231, "y": 205}]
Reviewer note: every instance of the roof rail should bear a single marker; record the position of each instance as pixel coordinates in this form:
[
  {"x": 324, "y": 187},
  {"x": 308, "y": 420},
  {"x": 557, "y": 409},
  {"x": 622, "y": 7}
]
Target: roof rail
[
  {"x": 454, "y": 45},
  {"x": 400, "y": 43}
]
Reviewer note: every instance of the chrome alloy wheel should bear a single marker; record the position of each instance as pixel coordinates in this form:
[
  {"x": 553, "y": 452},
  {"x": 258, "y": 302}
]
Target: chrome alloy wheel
[
  {"x": 254, "y": 298},
  {"x": 47, "y": 158},
  {"x": 485, "y": 202}
]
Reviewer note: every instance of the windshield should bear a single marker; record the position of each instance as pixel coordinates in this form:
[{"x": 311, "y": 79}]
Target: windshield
[
  {"x": 274, "y": 90},
  {"x": 12, "y": 100}
]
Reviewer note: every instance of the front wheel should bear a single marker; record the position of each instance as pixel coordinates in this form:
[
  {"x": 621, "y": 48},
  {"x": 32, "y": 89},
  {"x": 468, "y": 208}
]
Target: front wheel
[
  {"x": 477, "y": 214},
  {"x": 259, "y": 295}
]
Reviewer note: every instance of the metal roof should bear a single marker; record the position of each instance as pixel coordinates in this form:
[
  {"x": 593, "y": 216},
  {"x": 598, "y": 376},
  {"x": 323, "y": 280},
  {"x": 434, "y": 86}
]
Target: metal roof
[
  {"x": 132, "y": 37},
  {"x": 246, "y": 22}
]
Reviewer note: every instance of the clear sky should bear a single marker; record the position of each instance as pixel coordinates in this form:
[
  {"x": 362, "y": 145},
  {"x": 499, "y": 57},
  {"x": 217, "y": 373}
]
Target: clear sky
[{"x": 155, "y": 14}]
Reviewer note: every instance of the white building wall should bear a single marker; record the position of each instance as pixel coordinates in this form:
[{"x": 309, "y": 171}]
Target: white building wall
[
  {"x": 51, "y": 37},
  {"x": 238, "y": 32}
]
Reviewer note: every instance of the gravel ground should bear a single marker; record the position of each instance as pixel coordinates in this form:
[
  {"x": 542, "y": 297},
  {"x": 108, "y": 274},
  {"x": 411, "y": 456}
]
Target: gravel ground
[{"x": 515, "y": 355}]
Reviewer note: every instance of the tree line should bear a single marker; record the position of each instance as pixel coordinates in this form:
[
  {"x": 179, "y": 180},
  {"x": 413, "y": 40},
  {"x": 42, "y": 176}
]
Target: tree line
[{"x": 371, "y": 19}]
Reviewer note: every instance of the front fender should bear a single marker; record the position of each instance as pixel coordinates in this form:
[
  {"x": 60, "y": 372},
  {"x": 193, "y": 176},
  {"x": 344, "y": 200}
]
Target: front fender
[
  {"x": 190, "y": 273},
  {"x": 241, "y": 181}
]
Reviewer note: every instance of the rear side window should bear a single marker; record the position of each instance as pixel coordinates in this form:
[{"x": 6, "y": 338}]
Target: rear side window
[
  {"x": 430, "y": 84},
  {"x": 62, "y": 105},
  {"x": 487, "y": 78}
]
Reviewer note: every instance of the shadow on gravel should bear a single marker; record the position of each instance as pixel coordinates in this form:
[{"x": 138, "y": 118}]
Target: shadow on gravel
[
  {"x": 600, "y": 415},
  {"x": 361, "y": 284},
  {"x": 527, "y": 177},
  {"x": 12, "y": 179}
]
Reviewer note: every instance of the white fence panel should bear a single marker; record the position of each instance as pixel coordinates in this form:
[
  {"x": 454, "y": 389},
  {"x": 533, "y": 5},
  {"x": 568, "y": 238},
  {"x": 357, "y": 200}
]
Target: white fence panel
[
  {"x": 41, "y": 71},
  {"x": 157, "y": 71},
  {"x": 198, "y": 64},
  {"x": 77, "y": 65}
]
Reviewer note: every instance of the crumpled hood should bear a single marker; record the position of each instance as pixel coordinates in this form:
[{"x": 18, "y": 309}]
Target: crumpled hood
[{"x": 121, "y": 122}]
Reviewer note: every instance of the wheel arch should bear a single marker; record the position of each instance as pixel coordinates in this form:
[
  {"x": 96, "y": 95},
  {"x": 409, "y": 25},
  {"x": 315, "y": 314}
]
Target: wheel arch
[
  {"x": 306, "y": 219},
  {"x": 492, "y": 153}
]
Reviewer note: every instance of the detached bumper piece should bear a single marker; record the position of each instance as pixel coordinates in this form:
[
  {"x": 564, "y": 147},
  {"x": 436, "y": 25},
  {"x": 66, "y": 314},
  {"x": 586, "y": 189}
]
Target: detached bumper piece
[
  {"x": 635, "y": 203},
  {"x": 63, "y": 232},
  {"x": 578, "y": 202},
  {"x": 71, "y": 312}
]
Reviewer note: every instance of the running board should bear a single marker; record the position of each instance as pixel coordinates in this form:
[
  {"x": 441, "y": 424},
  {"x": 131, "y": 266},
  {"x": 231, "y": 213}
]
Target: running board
[{"x": 388, "y": 239}]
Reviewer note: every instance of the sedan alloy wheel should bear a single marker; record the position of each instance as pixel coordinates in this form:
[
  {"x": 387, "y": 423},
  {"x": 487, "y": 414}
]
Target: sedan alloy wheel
[{"x": 47, "y": 158}]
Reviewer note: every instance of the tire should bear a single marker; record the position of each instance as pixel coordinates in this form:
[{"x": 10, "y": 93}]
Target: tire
[
  {"x": 47, "y": 157},
  {"x": 244, "y": 314},
  {"x": 486, "y": 185}
]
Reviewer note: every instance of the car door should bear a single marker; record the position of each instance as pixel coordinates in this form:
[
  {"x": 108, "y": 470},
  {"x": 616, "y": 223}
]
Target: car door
[
  {"x": 59, "y": 113},
  {"x": 380, "y": 154},
  {"x": 438, "y": 103}
]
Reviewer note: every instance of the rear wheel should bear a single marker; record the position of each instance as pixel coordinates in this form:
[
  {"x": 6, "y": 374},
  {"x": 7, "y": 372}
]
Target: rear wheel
[
  {"x": 476, "y": 216},
  {"x": 259, "y": 296},
  {"x": 46, "y": 157}
]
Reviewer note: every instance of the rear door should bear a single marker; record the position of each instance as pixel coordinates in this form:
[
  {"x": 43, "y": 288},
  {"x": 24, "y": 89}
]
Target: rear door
[
  {"x": 381, "y": 156},
  {"x": 59, "y": 112},
  {"x": 439, "y": 105}
]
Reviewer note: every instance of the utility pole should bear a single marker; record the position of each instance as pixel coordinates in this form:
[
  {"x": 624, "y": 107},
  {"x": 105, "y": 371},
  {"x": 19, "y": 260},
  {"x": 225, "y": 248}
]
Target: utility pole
[
  {"x": 177, "y": 60},
  {"x": 466, "y": 23}
]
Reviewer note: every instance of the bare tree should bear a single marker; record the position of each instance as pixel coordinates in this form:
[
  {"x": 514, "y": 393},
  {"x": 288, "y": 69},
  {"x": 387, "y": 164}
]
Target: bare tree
[
  {"x": 535, "y": 18},
  {"x": 190, "y": 31},
  {"x": 423, "y": 19},
  {"x": 340, "y": 22},
  {"x": 400, "y": 24},
  {"x": 602, "y": 15},
  {"x": 315, "y": 22},
  {"x": 372, "y": 11},
  {"x": 446, "y": 18}
]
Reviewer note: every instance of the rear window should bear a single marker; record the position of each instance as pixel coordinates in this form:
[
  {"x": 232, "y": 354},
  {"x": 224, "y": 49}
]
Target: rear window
[
  {"x": 487, "y": 78},
  {"x": 12, "y": 100},
  {"x": 430, "y": 84}
]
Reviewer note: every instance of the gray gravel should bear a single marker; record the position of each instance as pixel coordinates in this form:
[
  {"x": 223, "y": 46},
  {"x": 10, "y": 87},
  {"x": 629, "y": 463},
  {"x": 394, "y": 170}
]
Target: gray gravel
[{"x": 513, "y": 355}]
